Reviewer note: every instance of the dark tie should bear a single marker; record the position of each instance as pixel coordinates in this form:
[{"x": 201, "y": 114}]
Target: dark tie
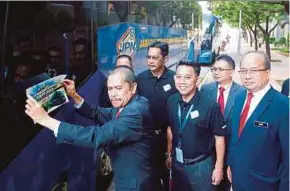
[
  {"x": 221, "y": 99},
  {"x": 245, "y": 112}
]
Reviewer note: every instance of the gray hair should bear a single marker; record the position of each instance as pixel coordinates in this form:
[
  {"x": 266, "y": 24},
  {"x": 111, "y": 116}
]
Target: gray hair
[
  {"x": 267, "y": 61},
  {"x": 126, "y": 72}
]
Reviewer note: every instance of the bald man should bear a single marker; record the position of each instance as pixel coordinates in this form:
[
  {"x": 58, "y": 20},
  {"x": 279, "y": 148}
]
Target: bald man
[
  {"x": 259, "y": 147},
  {"x": 126, "y": 130}
]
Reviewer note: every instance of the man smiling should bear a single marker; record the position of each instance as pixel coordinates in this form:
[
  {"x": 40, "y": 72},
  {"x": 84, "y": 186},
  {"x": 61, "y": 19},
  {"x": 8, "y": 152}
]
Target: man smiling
[{"x": 198, "y": 128}]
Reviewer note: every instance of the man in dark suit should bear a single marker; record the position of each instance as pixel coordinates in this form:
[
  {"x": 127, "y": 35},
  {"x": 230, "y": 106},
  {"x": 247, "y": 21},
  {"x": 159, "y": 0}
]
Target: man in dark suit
[
  {"x": 223, "y": 91},
  {"x": 259, "y": 147},
  {"x": 126, "y": 130}
]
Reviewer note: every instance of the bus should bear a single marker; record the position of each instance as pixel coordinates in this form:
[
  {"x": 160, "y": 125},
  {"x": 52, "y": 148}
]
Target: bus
[{"x": 210, "y": 43}]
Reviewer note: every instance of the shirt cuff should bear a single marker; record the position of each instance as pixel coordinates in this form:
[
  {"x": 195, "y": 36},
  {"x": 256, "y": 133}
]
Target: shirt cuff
[
  {"x": 55, "y": 132},
  {"x": 80, "y": 104}
]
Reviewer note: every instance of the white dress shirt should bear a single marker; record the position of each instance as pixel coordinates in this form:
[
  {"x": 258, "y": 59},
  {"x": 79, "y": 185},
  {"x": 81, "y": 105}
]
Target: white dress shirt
[
  {"x": 258, "y": 96},
  {"x": 226, "y": 92}
]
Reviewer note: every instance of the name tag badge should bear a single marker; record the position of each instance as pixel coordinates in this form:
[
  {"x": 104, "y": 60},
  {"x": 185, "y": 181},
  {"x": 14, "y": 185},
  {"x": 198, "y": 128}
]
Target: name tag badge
[
  {"x": 194, "y": 114},
  {"x": 261, "y": 124},
  {"x": 179, "y": 155},
  {"x": 167, "y": 87}
]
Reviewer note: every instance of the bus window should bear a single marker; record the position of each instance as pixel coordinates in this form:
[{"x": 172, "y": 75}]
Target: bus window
[{"x": 41, "y": 37}]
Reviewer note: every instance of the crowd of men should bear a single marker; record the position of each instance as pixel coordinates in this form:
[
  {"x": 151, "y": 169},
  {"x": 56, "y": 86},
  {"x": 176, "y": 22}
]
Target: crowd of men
[{"x": 221, "y": 136}]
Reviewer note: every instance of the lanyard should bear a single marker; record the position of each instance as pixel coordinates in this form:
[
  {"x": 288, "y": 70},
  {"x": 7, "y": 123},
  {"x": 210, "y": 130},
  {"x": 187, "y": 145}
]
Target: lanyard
[{"x": 182, "y": 125}]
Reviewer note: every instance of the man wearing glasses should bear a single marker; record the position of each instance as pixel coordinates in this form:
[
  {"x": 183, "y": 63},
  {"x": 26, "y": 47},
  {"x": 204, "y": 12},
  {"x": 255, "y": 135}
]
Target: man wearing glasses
[
  {"x": 157, "y": 85},
  {"x": 223, "y": 91},
  {"x": 258, "y": 154}
]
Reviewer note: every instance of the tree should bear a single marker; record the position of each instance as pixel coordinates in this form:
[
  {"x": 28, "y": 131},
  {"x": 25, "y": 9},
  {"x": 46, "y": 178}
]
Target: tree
[
  {"x": 256, "y": 15},
  {"x": 229, "y": 11},
  {"x": 167, "y": 13},
  {"x": 263, "y": 14}
]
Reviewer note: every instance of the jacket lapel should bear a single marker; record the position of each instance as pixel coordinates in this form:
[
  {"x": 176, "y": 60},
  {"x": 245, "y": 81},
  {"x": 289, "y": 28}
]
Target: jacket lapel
[
  {"x": 259, "y": 110},
  {"x": 214, "y": 89},
  {"x": 239, "y": 103},
  {"x": 230, "y": 101}
]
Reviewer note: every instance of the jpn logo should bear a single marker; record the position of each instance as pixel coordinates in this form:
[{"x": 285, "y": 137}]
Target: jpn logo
[{"x": 127, "y": 43}]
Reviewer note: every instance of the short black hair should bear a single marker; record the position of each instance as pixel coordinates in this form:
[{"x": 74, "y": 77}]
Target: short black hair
[
  {"x": 226, "y": 58},
  {"x": 125, "y": 56},
  {"x": 195, "y": 65},
  {"x": 163, "y": 46}
]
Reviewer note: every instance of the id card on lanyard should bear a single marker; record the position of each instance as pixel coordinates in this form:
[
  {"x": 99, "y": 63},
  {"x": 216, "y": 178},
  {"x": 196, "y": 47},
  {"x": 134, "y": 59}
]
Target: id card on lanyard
[{"x": 178, "y": 150}]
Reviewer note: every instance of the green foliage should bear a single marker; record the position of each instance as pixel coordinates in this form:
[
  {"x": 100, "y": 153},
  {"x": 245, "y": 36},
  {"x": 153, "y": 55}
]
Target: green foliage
[
  {"x": 282, "y": 40},
  {"x": 255, "y": 14},
  {"x": 284, "y": 50},
  {"x": 252, "y": 12},
  {"x": 271, "y": 40},
  {"x": 276, "y": 43},
  {"x": 170, "y": 11}
]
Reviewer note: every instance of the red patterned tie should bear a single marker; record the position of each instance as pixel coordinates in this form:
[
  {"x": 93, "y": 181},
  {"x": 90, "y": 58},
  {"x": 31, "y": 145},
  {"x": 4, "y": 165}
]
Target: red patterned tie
[
  {"x": 221, "y": 99},
  {"x": 118, "y": 113},
  {"x": 245, "y": 112}
]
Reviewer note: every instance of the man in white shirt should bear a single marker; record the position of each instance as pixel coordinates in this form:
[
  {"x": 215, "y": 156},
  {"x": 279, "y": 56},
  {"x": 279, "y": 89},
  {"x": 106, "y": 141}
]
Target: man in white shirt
[{"x": 258, "y": 154}]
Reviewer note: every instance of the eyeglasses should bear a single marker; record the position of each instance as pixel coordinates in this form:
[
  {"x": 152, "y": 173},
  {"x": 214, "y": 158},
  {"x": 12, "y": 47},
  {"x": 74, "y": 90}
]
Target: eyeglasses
[
  {"x": 251, "y": 72},
  {"x": 153, "y": 57},
  {"x": 214, "y": 69}
]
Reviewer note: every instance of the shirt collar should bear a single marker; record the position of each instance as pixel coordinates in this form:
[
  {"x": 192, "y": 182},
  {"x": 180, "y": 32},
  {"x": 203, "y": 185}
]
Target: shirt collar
[
  {"x": 227, "y": 87},
  {"x": 263, "y": 91},
  {"x": 164, "y": 75},
  {"x": 194, "y": 100}
]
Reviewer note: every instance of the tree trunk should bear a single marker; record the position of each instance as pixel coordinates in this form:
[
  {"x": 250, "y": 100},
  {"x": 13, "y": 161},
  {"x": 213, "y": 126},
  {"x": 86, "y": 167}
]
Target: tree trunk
[
  {"x": 171, "y": 25},
  {"x": 268, "y": 50},
  {"x": 255, "y": 37},
  {"x": 245, "y": 35},
  {"x": 183, "y": 25},
  {"x": 251, "y": 37}
]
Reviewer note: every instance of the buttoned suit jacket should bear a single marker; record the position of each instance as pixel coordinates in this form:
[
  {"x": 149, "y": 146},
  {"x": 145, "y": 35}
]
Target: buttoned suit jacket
[
  {"x": 128, "y": 140},
  {"x": 259, "y": 158}
]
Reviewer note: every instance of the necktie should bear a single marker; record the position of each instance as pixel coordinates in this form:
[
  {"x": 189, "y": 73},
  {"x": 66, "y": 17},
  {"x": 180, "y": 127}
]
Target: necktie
[
  {"x": 118, "y": 113},
  {"x": 221, "y": 99},
  {"x": 245, "y": 112}
]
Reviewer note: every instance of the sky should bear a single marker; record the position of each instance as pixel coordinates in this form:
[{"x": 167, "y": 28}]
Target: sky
[{"x": 204, "y": 5}]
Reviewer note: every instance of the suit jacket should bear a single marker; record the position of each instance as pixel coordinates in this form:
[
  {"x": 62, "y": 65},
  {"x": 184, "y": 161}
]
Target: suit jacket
[
  {"x": 259, "y": 158},
  {"x": 211, "y": 91},
  {"x": 128, "y": 139}
]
